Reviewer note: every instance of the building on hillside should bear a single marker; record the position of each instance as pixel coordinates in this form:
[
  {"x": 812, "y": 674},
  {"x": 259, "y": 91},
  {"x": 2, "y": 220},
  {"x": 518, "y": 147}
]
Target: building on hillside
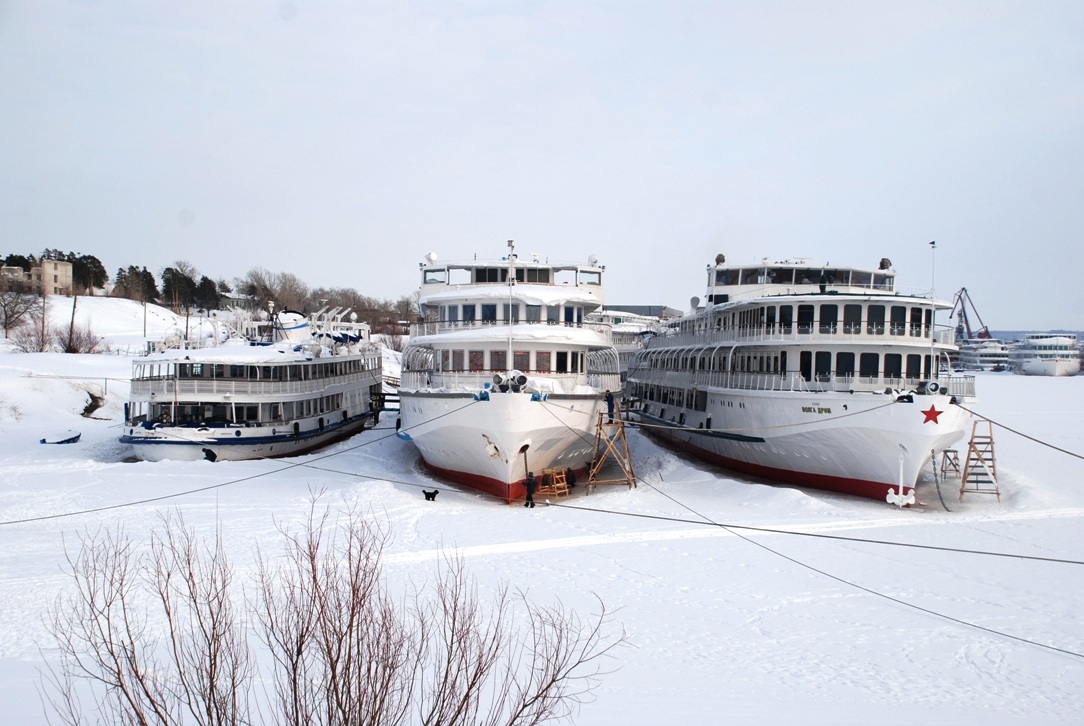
[{"x": 49, "y": 277}]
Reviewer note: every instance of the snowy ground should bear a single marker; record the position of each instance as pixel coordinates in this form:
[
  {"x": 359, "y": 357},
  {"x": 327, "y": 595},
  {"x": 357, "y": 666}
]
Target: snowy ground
[{"x": 727, "y": 626}]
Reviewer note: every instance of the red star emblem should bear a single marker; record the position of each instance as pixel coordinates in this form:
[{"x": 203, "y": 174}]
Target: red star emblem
[{"x": 931, "y": 415}]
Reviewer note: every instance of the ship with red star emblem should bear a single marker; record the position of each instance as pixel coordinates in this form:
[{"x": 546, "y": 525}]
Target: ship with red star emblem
[{"x": 807, "y": 374}]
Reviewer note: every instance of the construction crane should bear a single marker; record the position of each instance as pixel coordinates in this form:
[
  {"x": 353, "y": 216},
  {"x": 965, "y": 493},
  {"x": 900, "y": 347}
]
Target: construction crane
[{"x": 960, "y": 305}]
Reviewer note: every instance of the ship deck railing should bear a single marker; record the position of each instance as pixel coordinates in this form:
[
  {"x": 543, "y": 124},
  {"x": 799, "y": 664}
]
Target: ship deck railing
[
  {"x": 960, "y": 386},
  {"x": 435, "y": 327},
  {"x": 204, "y": 387},
  {"x": 480, "y": 380},
  {"x": 783, "y": 334}
]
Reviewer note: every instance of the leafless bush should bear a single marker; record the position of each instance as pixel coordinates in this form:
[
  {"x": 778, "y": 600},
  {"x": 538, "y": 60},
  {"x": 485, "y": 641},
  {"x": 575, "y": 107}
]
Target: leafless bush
[
  {"x": 156, "y": 638},
  {"x": 77, "y": 339},
  {"x": 394, "y": 342},
  {"x": 189, "y": 665},
  {"x": 31, "y": 336}
]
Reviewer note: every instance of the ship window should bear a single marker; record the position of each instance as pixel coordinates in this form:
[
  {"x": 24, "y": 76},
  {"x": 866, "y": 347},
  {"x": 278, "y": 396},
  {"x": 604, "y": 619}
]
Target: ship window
[
  {"x": 899, "y": 320},
  {"x": 845, "y": 365},
  {"x": 914, "y": 366},
  {"x": 861, "y": 279},
  {"x": 722, "y": 277},
  {"x": 237, "y": 371},
  {"x": 869, "y": 365},
  {"x": 805, "y": 364},
  {"x": 769, "y": 319},
  {"x": 468, "y": 313},
  {"x": 534, "y": 313},
  {"x": 829, "y": 318},
  {"x": 488, "y": 274},
  {"x": 805, "y": 318},
  {"x": 498, "y": 360},
  {"x": 489, "y": 313},
  {"x": 835, "y": 277},
  {"x": 786, "y": 318},
  {"x": 457, "y": 360},
  {"x": 852, "y": 319},
  {"x": 477, "y": 360},
  {"x": 893, "y": 365},
  {"x": 536, "y": 275},
  {"x": 590, "y": 277},
  {"x": 542, "y": 361},
  {"x": 431, "y": 277},
  {"x": 916, "y": 322},
  {"x": 750, "y": 277},
  {"x": 521, "y": 360},
  {"x": 883, "y": 282},
  {"x": 453, "y": 314},
  {"x": 511, "y": 312},
  {"x": 562, "y": 361},
  {"x": 875, "y": 320},
  {"x": 823, "y": 365},
  {"x": 781, "y": 276}
]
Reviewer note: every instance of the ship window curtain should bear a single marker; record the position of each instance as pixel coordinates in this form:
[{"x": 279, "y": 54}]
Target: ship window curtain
[
  {"x": 542, "y": 361},
  {"x": 498, "y": 360},
  {"x": 477, "y": 360},
  {"x": 521, "y": 360}
]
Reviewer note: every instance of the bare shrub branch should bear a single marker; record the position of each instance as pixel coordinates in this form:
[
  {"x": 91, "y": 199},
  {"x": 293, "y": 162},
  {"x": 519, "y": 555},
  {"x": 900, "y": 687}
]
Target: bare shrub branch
[{"x": 153, "y": 635}]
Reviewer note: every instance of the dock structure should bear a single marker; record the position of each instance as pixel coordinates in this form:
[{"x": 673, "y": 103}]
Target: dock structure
[{"x": 611, "y": 444}]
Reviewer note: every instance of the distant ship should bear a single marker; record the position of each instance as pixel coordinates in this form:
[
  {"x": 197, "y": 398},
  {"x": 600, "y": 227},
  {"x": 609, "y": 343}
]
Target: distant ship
[
  {"x": 806, "y": 374},
  {"x": 276, "y": 388},
  {"x": 506, "y": 374},
  {"x": 1047, "y": 354}
]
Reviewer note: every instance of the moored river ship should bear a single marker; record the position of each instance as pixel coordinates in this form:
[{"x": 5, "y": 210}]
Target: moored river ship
[
  {"x": 813, "y": 375},
  {"x": 505, "y": 375},
  {"x": 274, "y": 388}
]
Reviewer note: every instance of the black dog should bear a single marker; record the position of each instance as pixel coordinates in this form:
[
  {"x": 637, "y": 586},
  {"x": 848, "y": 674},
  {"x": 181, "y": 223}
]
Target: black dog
[{"x": 431, "y": 496}]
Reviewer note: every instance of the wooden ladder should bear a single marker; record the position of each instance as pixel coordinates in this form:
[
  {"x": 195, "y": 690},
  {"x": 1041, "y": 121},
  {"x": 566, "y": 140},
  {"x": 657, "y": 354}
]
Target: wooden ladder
[
  {"x": 611, "y": 443},
  {"x": 980, "y": 467}
]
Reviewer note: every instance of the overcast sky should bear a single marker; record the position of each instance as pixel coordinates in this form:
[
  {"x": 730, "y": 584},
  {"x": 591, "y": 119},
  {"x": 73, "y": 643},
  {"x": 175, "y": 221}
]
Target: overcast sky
[{"x": 341, "y": 141}]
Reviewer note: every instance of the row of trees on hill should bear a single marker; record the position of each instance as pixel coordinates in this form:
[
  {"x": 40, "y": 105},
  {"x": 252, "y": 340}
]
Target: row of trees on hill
[{"x": 182, "y": 288}]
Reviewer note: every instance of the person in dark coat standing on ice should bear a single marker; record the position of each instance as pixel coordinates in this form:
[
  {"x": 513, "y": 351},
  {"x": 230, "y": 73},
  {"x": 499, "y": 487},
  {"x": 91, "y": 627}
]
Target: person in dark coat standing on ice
[
  {"x": 532, "y": 485},
  {"x": 610, "y": 405}
]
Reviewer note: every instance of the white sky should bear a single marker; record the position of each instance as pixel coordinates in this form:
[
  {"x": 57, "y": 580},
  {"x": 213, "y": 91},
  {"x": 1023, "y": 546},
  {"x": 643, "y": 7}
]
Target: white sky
[{"x": 341, "y": 141}]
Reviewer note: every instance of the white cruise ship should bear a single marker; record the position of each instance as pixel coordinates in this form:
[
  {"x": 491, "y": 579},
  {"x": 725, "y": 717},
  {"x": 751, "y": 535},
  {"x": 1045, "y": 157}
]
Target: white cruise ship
[
  {"x": 268, "y": 389},
  {"x": 505, "y": 375},
  {"x": 1047, "y": 354},
  {"x": 983, "y": 354},
  {"x": 806, "y": 374}
]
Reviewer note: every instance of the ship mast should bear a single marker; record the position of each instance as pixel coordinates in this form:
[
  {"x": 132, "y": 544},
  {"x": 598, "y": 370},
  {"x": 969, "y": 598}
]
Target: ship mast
[{"x": 511, "y": 283}]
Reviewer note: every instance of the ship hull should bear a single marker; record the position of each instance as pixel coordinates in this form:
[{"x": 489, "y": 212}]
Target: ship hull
[
  {"x": 185, "y": 443},
  {"x": 1050, "y": 367},
  {"x": 491, "y": 443},
  {"x": 851, "y": 444}
]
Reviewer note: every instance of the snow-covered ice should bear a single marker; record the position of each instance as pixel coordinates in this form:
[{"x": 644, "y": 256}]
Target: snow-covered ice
[{"x": 727, "y": 625}]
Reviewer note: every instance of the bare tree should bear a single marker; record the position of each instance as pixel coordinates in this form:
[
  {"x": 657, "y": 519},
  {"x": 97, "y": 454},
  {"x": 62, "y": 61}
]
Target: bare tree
[
  {"x": 293, "y": 293},
  {"x": 156, "y": 638},
  {"x": 17, "y": 303}
]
